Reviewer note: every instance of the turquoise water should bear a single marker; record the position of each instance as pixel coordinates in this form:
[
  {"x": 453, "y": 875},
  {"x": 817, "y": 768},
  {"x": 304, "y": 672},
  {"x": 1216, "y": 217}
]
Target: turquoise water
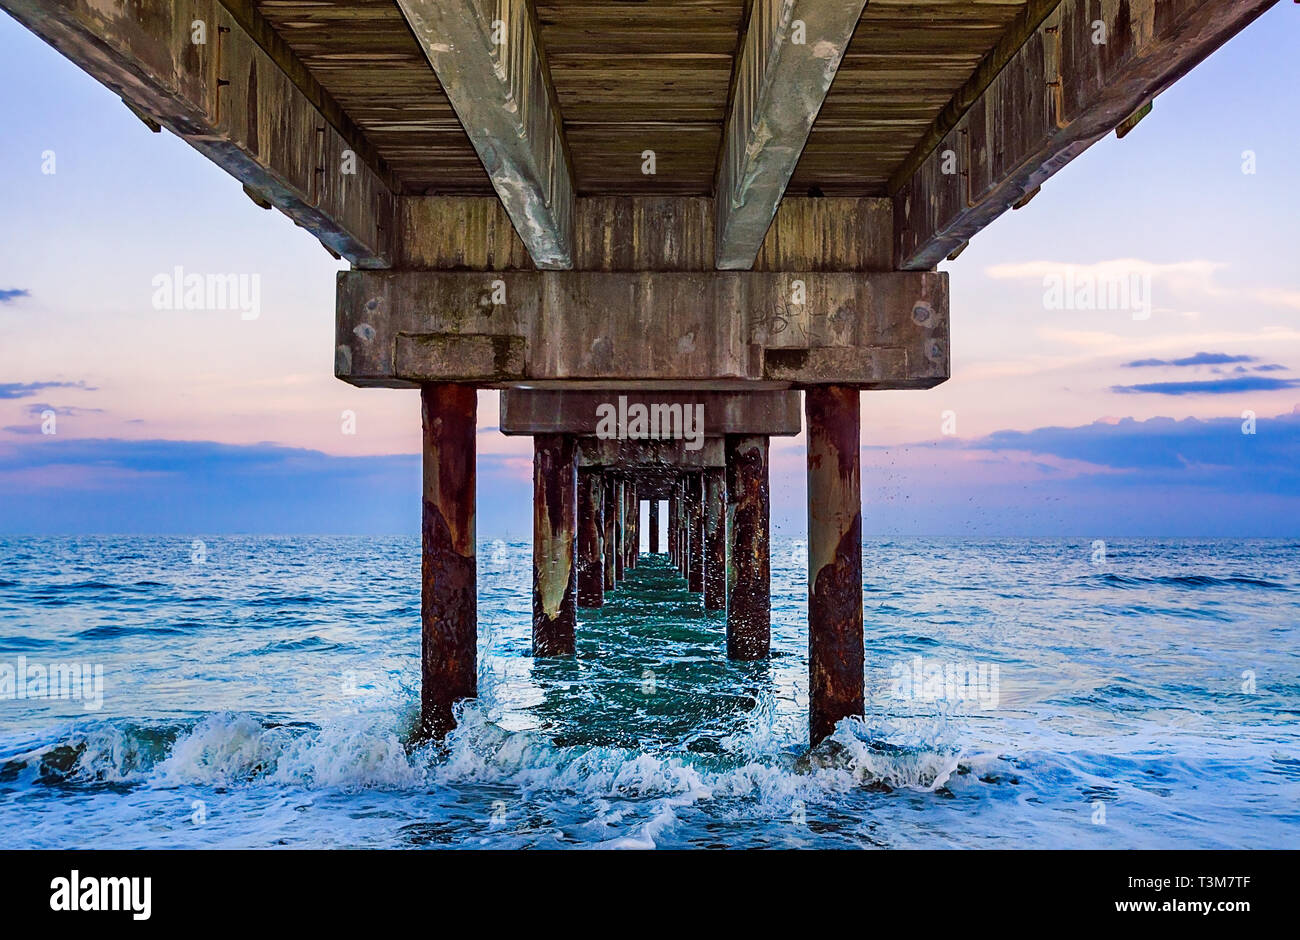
[{"x": 261, "y": 692}]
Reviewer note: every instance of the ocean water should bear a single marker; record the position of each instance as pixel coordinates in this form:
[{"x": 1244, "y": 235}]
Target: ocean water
[{"x": 261, "y": 692}]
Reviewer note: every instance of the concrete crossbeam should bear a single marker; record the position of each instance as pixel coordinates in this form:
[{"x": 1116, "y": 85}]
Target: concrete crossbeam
[
  {"x": 595, "y": 412},
  {"x": 646, "y": 456},
  {"x": 398, "y": 329}
]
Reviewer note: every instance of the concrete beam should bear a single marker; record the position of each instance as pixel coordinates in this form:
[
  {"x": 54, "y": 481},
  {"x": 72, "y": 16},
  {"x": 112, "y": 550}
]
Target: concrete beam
[
  {"x": 582, "y": 411},
  {"x": 643, "y": 457},
  {"x": 1057, "y": 96},
  {"x": 489, "y": 61},
  {"x": 787, "y": 61},
  {"x": 647, "y": 233},
  {"x": 240, "y": 98},
  {"x": 655, "y": 486},
  {"x": 649, "y": 329}
]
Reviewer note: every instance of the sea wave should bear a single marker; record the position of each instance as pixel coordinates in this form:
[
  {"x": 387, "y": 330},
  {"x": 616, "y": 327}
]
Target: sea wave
[
  {"x": 375, "y": 750},
  {"x": 1184, "y": 581}
]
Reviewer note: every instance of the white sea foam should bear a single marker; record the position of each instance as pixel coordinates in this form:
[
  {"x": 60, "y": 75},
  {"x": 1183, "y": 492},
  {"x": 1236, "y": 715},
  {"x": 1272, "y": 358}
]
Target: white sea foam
[{"x": 366, "y": 750}]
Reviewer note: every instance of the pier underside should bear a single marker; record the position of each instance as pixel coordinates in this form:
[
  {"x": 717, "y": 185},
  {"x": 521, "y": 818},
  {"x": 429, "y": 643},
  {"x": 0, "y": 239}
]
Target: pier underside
[{"x": 619, "y": 213}]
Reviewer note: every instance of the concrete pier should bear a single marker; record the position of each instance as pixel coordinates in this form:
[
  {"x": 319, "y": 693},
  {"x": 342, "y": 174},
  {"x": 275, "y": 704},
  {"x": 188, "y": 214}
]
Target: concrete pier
[
  {"x": 715, "y": 538},
  {"x": 555, "y": 574},
  {"x": 448, "y": 578},
  {"x": 620, "y": 528},
  {"x": 591, "y": 539},
  {"x": 672, "y": 526},
  {"x": 609, "y": 517},
  {"x": 524, "y": 249},
  {"x": 695, "y": 523},
  {"x": 835, "y": 643},
  {"x": 633, "y": 516},
  {"x": 653, "y": 517},
  {"x": 749, "y": 589},
  {"x": 684, "y": 528}
]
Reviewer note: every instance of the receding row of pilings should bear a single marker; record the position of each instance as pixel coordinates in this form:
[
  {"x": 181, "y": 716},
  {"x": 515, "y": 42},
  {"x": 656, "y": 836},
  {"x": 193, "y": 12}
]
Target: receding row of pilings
[
  {"x": 587, "y": 497},
  {"x": 702, "y": 511}
]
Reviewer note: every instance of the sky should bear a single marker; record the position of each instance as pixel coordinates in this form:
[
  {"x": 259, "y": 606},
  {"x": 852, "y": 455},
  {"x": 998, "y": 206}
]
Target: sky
[{"x": 1062, "y": 417}]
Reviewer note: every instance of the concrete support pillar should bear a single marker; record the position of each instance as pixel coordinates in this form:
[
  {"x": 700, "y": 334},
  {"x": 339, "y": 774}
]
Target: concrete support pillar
[
  {"x": 715, "y": 539},
  {"x": 633, "y": 524},
  {"x": 591, "y": 540},
  {"x": 672, "y": 528},
  {"x": 555, "y": 574},
  {"x": 683, "y": 552},
  {"x": 695, "y": 578},
  {"x": 835, "y": 645},
  {"x": 609, "y": 513},
  {"x": 749, "y": 600},
  {"x": 620, "y": 528},
  {"x": 654, "y": 526},
  {"x": 448, "y": 587}
]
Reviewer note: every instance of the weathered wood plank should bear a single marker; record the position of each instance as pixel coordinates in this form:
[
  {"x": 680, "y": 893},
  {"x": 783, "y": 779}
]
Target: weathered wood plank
[
  {"x": 362, "y": 52},
  {"x": 906, "y": 61},
  {"x": 646, "y": 233},
  {"x": 1061, "y": 92},
  {"x": 489, "y": 62},
  {"x": 788, "y": 60},
  {"x": 229, "y": 98},
  {"x": 1016, "y": 35}
]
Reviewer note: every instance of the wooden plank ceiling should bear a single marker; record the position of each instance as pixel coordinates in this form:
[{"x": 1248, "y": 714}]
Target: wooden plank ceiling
[{"x": 633, "y": 76}]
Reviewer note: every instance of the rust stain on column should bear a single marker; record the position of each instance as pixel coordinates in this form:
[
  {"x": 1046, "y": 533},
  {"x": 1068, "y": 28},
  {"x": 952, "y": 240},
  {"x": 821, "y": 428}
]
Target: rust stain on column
[
  {"x": 695, "y": 579},
  {"x": 715, "y": 539},
  {"x": 448, "y": 590},
  {"x": 555, "y": 576},
  {"x": 591, "y": 540},
  {"x": 654, "y": 526},
  {"x": 749, "y": 598},
  {"x": 609, "y": 513},
  {"x": 835, "y": 645}
]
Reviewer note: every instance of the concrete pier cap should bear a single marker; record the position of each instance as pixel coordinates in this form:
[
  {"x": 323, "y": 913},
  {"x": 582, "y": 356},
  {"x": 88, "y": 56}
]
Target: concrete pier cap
[{"x": 637, "y": 416}]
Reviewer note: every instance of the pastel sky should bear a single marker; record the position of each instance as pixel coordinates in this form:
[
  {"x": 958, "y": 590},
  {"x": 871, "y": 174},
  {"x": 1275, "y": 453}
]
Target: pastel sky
[{"x": 1079, "y": 422}]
